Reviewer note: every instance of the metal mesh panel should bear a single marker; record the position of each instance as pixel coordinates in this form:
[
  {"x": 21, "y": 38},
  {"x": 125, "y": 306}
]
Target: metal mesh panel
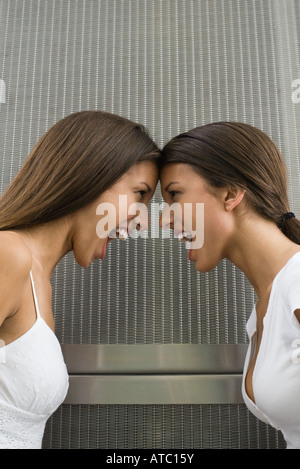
[
  {"x": 147, "y": 293},
  {"x": 171, "y": 66},
  {"x": 159, "y": 426}
]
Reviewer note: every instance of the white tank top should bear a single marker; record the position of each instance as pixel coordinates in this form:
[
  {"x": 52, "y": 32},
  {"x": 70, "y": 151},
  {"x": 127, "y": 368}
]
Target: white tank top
[
  {"x": 33, "y": 383},
  {"x": 276, "y": 376}
]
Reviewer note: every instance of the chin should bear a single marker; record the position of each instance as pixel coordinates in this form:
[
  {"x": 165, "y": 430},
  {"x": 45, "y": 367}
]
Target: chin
[
  {"x": 205, "y": 266},
  {"x": 85, "y": 265},
  {"x": 82, "y": 261},
  {"x": 203, "y": 269}
]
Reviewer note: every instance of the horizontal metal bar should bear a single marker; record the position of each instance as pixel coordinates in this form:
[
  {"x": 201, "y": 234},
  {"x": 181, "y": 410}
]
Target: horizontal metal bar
[
  {"x": 154, "y": 358},
  {"x": 155, "y": 389}
]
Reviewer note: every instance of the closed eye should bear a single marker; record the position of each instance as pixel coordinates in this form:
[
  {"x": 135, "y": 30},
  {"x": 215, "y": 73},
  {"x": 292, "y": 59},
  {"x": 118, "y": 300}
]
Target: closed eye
[
  {"x": 142, "y": 193},
  {"x": 173, "y": 193}
]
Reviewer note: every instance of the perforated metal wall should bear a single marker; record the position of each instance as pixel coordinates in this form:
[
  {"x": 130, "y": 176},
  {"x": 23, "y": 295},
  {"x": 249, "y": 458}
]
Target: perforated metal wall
[
  {"x": 160, "y": 426},
  {"x": 171, "y": 65}
]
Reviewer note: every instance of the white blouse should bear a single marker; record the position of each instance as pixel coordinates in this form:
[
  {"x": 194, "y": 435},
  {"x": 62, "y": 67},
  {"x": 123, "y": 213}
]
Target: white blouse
[
  {"x": 276, "y": 376},
  {"x": 33, "y": 383}
]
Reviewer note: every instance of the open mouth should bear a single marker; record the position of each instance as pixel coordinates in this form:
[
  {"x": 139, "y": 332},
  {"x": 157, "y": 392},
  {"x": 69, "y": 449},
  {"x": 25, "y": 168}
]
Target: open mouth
[
  {"x": 185, "y": 236},
  {"x": 118, "y": 233},
  {"x": 189, "y": 238}
]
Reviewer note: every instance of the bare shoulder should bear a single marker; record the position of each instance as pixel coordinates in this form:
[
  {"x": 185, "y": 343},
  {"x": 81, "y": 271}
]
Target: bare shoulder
[
  {"x": 15, "y": 266},
  {"x": 15, "y": 256}
]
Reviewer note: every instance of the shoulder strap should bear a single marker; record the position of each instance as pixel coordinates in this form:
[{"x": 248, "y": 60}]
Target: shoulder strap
[{"x": 34, "y": 296}]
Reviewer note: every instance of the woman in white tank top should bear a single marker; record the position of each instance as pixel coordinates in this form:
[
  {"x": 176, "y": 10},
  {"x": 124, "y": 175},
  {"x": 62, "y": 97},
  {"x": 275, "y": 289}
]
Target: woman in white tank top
[
  {"x": 239, "y": 175},
  {"x": 56, "y": 204}
]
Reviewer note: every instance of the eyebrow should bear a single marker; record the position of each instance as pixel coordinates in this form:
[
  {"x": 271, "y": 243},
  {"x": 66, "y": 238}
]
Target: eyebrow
[
  {"x": 170, "y": 183},
  {"x": 148, "y": 187}
]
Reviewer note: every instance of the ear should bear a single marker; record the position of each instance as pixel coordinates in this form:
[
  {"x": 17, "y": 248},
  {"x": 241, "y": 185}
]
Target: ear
[{"x": 233, "y": 198}]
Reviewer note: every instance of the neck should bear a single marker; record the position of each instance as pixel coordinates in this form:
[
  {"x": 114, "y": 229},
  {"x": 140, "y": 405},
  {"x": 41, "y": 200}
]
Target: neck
[
  {"x": 261, "y": 250},
  {"x": 48, "y": 243}
]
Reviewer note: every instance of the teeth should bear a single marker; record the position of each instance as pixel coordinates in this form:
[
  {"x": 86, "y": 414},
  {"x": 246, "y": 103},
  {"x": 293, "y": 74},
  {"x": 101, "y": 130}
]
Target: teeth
[
  {"x": 185, "y": 234},
  {"x": 123, "y": 234},
  {"x": 120, "y": 233},
  {"x": 112, "y": 234}
]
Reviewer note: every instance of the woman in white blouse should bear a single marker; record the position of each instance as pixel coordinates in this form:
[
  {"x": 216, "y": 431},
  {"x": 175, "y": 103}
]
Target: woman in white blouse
[
  {"x": 239, "y": 175},
  {"x": 85, "y": 161}
]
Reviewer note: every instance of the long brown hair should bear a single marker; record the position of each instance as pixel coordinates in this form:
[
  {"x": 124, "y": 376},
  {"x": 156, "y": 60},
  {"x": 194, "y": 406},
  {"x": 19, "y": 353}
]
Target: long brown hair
[
  {"x": 238, "y": 155},
  {"x": 80, "y": 157}
]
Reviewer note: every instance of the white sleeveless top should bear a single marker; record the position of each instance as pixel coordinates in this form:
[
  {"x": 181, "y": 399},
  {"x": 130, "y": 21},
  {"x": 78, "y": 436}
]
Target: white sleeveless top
[
  {"x": 33, "y": 383},
  {"x": 276, "y": 376}
]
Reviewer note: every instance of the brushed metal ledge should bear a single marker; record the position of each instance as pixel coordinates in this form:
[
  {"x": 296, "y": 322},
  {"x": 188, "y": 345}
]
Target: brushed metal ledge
[
  {"x": 154, "y": 374},
  {"x": 154, "y": 359},
  {"x": 155, "y": 389}
]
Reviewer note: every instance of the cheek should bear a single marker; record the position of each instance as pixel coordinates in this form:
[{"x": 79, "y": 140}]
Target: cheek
[
  {"x": 212, "y": 251},
  {"x": 123, "y": 205},
  {"x": 185, "y": 215},
  {"x": 216, "y": 229},
  {"x": 210, "y": 254}
]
